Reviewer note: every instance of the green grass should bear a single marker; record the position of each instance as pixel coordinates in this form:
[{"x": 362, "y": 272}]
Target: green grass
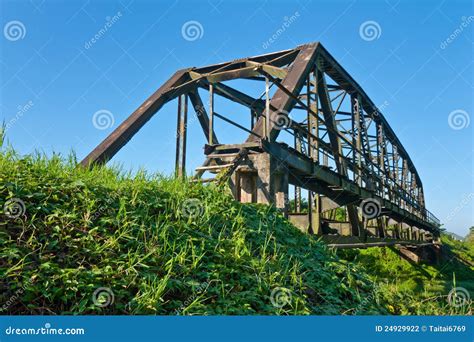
[
  {"x": 86, "y": 229},
  {"x": 421, "y": 289}
]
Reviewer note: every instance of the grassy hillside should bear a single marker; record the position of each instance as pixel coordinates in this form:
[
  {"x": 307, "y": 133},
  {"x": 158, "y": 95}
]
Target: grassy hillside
[
  {"x": 162, "y": 246},
  {"x": 420, "y": 289},
  {"x": 75, "y": 241}
]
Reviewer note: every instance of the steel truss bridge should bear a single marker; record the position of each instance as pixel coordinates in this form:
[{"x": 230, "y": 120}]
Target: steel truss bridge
[{"x": 309, "y": 126}]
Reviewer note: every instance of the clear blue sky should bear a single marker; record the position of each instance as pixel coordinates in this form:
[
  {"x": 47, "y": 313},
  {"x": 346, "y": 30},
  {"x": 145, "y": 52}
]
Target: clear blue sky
[{"x": 59, "y": 83}]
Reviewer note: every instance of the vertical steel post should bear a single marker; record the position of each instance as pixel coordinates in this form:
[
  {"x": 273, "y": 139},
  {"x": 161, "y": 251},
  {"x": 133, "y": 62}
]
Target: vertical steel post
[
  {"x": 314, "y": 130},
  {"x": 211, "y": 114},
  {"x": 298, "y": 143},
  {"x": 252, "y": 118},
  {"x": 267, "y": 109},
  {"x": 309, "y": 127},
  {"x": 356, "y": 139},
  {"x": 181, "y": 127}
]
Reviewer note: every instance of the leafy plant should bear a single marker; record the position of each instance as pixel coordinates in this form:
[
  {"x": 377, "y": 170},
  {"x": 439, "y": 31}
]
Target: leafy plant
[{"x": 104, "y": 241}]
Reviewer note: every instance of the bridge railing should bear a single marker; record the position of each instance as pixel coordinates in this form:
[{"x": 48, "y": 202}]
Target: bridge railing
[
  {"x": 431, "y": 218},
  {"x": 382, "y": 184}
]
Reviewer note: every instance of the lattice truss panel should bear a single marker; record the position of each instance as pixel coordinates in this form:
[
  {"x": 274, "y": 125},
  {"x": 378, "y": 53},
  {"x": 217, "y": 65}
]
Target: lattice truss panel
[{"x": 302, "y": 107}]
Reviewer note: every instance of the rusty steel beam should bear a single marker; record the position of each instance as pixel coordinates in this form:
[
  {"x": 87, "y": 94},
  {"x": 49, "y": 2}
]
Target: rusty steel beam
[
  {"x": 233, "y": 95},
  {"x": 293, "y": 81},
  {"x": 337, "y": 72},
  {"x": 201, "y": 114},
  {"x": 299, "y": 76},
  {"x": 328, "y": 112},
  {"x": 123, "y": 133},
  {"x": 181, "y": 135}
]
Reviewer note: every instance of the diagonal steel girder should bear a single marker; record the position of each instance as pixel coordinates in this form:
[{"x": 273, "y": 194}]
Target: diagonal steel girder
[
  {"x": 281, "y": 102},
  {"x": 178, "y": 84}
]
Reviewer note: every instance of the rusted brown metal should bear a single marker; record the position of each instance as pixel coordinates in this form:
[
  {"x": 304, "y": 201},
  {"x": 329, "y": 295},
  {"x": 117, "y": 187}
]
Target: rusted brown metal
[
  {"x": 333, "y": 156},
  {"x": 293, "y": 81},
  {"x": 181, "y": 134},
  {"x": 123, "y": 133}
]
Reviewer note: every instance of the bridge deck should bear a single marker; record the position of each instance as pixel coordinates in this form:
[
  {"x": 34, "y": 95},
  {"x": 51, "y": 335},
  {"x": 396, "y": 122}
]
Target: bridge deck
[
  {"x": 319, "y": 178},
  {"x": 343, "y": 242}
]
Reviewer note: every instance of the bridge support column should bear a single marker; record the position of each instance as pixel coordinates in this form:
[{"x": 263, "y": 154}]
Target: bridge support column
[
  {"x": 246, "y": 186},
  {"x": 398, "y": 231},
  {"x": 417, "y": 254},
  {"x": 409, "y": 254},
  {"x": 381, "y": 227},
  {"x": 262, "y": 180}
]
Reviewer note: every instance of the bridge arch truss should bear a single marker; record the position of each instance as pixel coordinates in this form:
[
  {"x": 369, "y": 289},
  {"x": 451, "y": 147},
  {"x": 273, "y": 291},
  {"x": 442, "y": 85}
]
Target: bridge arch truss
[{"x": 310, "y": 126}]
